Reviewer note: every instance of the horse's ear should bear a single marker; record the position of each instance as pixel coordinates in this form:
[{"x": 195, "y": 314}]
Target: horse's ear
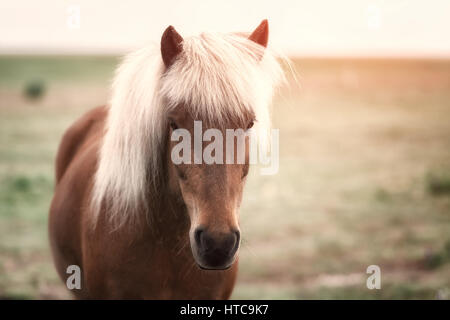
[
  {"x": 171, "y": 45},
  {"x": 261, "y": 34}
]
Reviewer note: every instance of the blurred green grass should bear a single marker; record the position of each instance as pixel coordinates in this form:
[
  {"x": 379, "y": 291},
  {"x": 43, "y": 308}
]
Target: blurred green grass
[
  {"x": 16, "y": 70},
  {"x": 364, "y": 145}
]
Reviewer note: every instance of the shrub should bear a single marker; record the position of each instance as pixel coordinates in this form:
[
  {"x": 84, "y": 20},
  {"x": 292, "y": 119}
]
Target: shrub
[{"x": 34, "y": 89}]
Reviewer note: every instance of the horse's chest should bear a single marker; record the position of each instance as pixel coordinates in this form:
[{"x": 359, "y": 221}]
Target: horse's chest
[{"x": 177, "y": 276}]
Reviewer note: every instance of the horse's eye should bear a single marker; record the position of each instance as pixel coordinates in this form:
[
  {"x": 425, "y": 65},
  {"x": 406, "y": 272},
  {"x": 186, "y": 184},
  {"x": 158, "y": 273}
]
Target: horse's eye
[
  {"x": 181, "y": 175},
  {"x": 173, "y": 125},
  {"x": 250, "y": 124}
]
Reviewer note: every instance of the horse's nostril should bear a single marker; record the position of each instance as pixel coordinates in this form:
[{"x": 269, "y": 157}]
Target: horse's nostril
[
  {"x": 204, "y": 240},
  {"x": 238, "y": 239},
  {"x": 231, "y": 241},
  {"x": 198, "y": 236},
  {"x": 237, "y": 234}
]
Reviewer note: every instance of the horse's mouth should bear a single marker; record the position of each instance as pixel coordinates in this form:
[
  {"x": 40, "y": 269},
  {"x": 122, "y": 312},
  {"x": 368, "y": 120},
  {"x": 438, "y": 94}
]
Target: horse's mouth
[
  {"x": 212, "y": 268},
  {"x": 214, "y": 260}
]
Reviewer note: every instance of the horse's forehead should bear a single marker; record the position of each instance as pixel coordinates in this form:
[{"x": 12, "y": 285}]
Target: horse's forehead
[{"x": 186, "y": 115}]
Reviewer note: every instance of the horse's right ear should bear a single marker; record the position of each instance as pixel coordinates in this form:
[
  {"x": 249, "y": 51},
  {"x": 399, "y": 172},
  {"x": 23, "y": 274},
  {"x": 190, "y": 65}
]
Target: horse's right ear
[
  {"x": 261, "y": 34},
  {"x": 171, "y": 45}
]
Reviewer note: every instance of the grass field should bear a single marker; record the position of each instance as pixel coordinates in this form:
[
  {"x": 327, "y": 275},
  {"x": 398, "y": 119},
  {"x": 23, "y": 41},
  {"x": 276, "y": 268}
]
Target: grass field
[{"x": 364, "y": 179}]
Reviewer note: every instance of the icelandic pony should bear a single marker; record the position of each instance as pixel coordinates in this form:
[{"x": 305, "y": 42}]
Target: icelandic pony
[{"x": 138, "y": 225}]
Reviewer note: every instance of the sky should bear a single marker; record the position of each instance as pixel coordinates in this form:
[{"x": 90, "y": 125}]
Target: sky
[{"x": 297, "y": 27}]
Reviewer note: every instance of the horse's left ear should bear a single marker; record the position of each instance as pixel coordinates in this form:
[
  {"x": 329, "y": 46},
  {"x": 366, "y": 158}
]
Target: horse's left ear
[
  {"x": 171, "y": 45},
  {"x": 261, "y": 34}
]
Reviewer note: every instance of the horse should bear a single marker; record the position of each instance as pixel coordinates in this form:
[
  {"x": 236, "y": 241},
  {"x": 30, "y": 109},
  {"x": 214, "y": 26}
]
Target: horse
[{"x": 136, "y": 224}]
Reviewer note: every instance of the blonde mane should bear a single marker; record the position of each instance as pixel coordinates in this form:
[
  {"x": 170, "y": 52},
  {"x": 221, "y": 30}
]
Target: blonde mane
[{"x": 216, "y": 75}]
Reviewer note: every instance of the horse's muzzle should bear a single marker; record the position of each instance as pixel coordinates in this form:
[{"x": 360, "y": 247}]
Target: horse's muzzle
[{"x": 215, "y": 250}]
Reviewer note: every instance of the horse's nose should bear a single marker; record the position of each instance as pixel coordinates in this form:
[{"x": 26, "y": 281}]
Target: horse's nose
[{"x": 215, "y": 249}]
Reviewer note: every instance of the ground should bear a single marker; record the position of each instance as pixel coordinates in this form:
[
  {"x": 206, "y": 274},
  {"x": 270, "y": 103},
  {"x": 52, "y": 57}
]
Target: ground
[{"x": 364, "y": 178}]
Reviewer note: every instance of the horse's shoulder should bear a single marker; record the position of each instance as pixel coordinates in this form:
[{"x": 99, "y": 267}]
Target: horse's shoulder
[{"x": 76, "y": 136}]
